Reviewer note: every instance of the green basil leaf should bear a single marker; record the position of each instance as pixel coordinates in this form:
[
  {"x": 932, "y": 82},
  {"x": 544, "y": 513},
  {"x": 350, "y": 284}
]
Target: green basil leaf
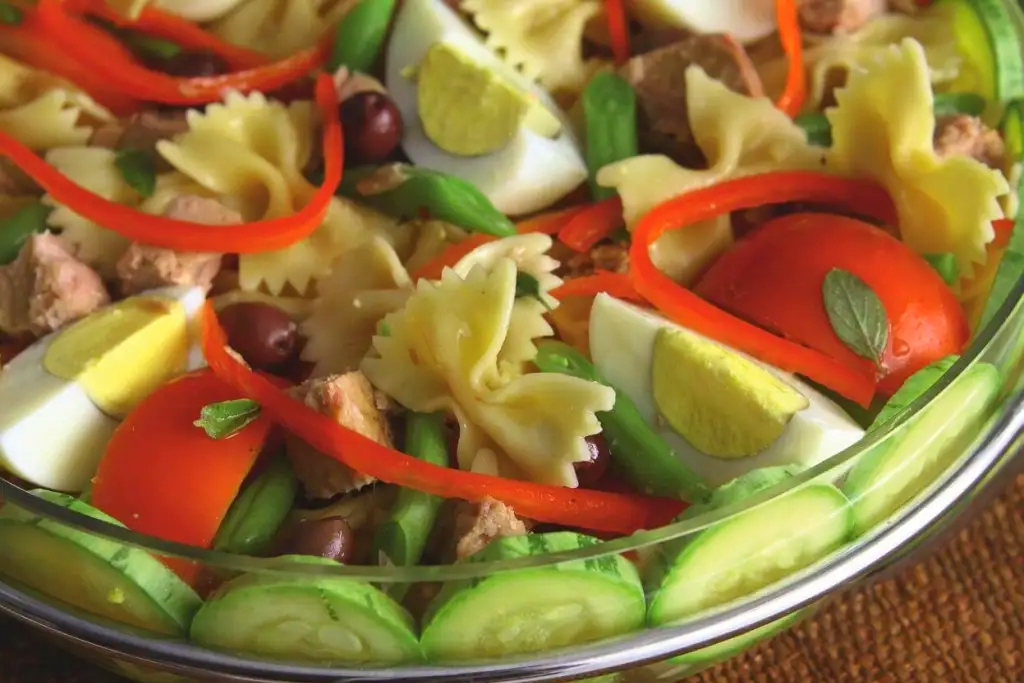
[
  {"x": 138, "y": 168},
  {"x": 918, "y": 383},
  {"x": 16, "y": 230},
  {"x": 409, "y": 191},
  {"x": 10, "y": 15},
  {"x": 227, "y": 418},
  {"x": 609, "y": 114},
  {"x": 945, "y": 265},
  {"x": 855, "y": 313},
  {"x": 528, "y": 286}
]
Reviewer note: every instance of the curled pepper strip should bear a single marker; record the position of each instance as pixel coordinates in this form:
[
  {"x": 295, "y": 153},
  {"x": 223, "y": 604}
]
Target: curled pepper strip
[
  {"x": 159, "y": 231},
  {"x": 618, "y": 30},
  {"x": 95, "y": 49},
  {"x": 591, "y": 225},
  {"x": 618, "y": 285},
  {"x": 587, "y": 509},
  {"x": 686, "y": 308},
  {"x": 792, "y": 99}
]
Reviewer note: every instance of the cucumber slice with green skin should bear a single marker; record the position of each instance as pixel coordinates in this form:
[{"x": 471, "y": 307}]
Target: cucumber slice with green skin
[
  {"x": 734, "y": 646},
  {"x": 530, "y": 610},
  {"x": 102, "y": 577},
  {"x": 986, "y": 37},
  {"x": 896, "y": 470},
  {"x": 746, "y": 552},
  {"x": 257, "y": 514},
  {"x": 312, "y": 619}
]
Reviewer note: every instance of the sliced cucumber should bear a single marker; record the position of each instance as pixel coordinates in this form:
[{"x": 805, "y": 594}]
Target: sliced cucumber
[
  {"x": 99, "y": 576},
  {"x": 259, "y": 511},
  {"x": 529, "y": 610},
  {"x": 750, "y": 550},
  {"x": 897, "y": 469},
  {"x": 987, "y": 39},
  {"x": 321, "y": 619},
  {"x": 734, "y": 646}
]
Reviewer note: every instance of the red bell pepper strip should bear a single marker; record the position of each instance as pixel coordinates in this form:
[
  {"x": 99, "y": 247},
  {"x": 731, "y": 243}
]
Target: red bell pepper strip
[
  {"x": 583, "y": 508},
  {"x": 685, "y": 307},
  {"x": 155, "y": 22},
  {"x": 592, "y": 224},
  {"x": 792, "y": 99},
  {"x": 618, "y": 285},
  {"x": 618, "y": 30},
  {"x": 28, "y": 42},
  {"x": 549, "y": 222},
  {"x": 98, "y": 50},
  {"x": 265, "y": 235}
]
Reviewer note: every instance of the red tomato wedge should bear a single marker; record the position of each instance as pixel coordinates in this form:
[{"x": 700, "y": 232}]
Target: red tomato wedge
[{"x": 773, "y": 278}]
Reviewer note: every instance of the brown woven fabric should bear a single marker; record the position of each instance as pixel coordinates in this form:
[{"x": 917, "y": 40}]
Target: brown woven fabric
[{"x": 957, "y": 617}]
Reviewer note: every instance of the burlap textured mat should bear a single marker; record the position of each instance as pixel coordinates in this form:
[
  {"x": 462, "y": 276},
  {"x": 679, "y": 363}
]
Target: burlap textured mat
[{"x": 957, "y": 617}]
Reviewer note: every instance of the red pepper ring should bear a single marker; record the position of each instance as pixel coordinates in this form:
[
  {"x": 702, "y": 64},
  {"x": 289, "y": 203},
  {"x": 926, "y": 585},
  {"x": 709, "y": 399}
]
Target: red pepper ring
[
  {"x": 159, "y": 231},
  {"x": 686, "y": 308},
  {"x": 582, "y": 508}
]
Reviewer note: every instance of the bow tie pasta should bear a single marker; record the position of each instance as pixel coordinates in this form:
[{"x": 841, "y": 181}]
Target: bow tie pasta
[
  {"x": 443, "y": 351},
  {"x": 279, "y": 28}
]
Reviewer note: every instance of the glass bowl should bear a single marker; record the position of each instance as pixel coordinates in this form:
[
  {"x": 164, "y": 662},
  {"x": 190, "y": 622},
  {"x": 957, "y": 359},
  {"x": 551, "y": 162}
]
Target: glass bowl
[{"x": 657, "y": 605}]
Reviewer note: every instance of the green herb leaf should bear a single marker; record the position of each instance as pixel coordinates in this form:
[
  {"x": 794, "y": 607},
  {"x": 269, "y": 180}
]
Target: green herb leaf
[
  {"x": 945, "y": 265},
  {"x": 10, "y": 15},
  {"x": 918, "y": 383},
  {"x": 855, "y": 313},
  {"x": 227, "y": 418},
  {"x": 528, "y": 286},
  {"x": 150, "y": 45},
  {"x": 16, "y": 230},
  {"x": 609, "y": 113},
  {"x": 138, "y": 168}
]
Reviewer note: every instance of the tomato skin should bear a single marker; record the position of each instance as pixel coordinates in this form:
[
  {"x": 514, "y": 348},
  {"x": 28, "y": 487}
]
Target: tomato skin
[
  {"x": 773, "y": 278},
  {"x": 162, "y": 476}
]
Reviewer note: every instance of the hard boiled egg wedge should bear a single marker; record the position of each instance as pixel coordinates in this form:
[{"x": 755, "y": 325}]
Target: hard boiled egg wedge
[
  {"x": 468, "y": 114},
  {"x": 61, "y": 398},
  {"x": 723, "y": 412},
  {"x": 745, "y": 20}
]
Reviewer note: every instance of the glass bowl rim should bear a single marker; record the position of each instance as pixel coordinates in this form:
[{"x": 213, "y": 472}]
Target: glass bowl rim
[{"x": 24, "y": 499}]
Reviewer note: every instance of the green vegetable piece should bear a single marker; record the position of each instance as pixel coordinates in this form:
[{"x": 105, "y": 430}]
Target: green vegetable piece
[
  {"x": 528, "y": 286},
  {"x": 10, "y": 15},
  {"x": 138, "y": 168},
  {"x": 257, "y": 514},
  {"x": 16, "y": 230},
  {"x": 360, "y": 34},
  {"x": 953, "y": 103},
  {"x": 609, "y": 111},
  {"x": 400, "y": 540},
  {"x": 945, "y": 265},
  {"x": 643, "y": 455},
  {"x": 227, "y": 418},
  {"x": 151, "y": 45},
  {"x": 1012, "y": 128},
  {"x": 855, "y": 313},
  {"x": 407, "y": 191},
  {"x": 816, "y": 127},
  {"x": 916, "y": 385}
]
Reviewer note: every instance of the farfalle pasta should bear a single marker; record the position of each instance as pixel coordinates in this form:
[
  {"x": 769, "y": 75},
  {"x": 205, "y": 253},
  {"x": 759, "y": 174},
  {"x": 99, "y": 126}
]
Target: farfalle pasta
[
  {"x": 280, "y": 27},
  {"x": 882, "y": 128},
  {"x": 543, "y": 38},
  {"x": 443, "y": 351}
]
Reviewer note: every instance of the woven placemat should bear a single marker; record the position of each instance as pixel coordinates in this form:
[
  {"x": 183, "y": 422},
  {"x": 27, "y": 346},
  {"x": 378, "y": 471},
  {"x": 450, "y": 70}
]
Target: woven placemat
[{"x": 957, "y": 616}]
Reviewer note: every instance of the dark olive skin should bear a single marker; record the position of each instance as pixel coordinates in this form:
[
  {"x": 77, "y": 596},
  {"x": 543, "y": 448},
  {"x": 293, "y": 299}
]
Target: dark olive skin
[
  {"x": 188, "y": 64},
  {"x": 589, "y": 472},
  {"x": 373, "y": 128},
  {"x": 264, "y": 335},
  {"x": 331, "y": 537}
]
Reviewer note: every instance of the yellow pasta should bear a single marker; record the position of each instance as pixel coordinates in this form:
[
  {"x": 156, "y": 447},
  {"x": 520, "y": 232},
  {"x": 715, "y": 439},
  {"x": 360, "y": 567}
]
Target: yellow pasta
[{"x": 279, "y": 28}]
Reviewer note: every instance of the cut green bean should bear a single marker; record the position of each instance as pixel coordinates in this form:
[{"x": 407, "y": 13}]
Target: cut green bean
[
  {"x": 945, "y": 265},
  {"x": 408, "y": 191},
  {"x": 649, "y": 462},
  {"x": 257, "y": 514},
  {"x": 360, "y": 34},
  {"x": 16, "y": 230},
  {"x": 609, "y": 114},
  {"x": 138, "y": 168}
]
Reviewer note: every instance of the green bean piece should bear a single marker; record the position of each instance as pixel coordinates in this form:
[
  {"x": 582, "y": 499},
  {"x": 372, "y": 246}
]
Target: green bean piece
[
  {"x": 138, "y": 168},
  {"x": 817, "y": 128},
  {"x": 151, "y": 45},
  {"x": 649, "y": 462},
  {"x": 609, "y": 113},
  {"x": 16, "y": 230},
  {"x": 257, "y": 514},
  {"x": 945, "y": 265},
  {"x": 401, "y": 539},
  {"x": 360, "y": 34},
  {"x": 408, "y": 191}
]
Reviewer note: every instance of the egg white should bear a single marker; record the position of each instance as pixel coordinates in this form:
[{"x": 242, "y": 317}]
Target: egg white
[
  {"x": 745, "y": 20},
  {"x": 532, "y": 171}
]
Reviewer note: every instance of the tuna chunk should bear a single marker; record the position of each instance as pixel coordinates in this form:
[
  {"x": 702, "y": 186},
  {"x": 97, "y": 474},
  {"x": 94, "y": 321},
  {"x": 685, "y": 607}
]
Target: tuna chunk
[
  {"x": 46, "y": 287},
  {"x": 351, "y": 401},
  {"x": 477, "y": 524},
  {"x": 144, "y": 267},
  {"x": 962, "y": 134},
  {"x": 659, "y": 79},
  {"x": 612, "y": 257},
  {"x": 838, "y": 16},
  {"x": 141, "y": 131}
]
